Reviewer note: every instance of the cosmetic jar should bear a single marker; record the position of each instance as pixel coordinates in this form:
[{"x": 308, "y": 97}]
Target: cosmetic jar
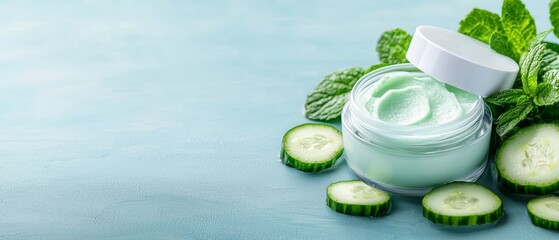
[{"x": 411, "y": 160}]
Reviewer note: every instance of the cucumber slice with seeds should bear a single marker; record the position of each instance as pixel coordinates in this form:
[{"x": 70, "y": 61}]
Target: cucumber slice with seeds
[
  {"x": 544, "y": 211},
  {"x": 356, "y": 198},
  {"x": 461, "y": 204},
  {"x": 528, "y": 162},
  {"x": 311, "y": 147}
]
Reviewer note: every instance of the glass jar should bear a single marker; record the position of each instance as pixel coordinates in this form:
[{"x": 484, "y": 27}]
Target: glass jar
[{"x": 411, "y": 160}]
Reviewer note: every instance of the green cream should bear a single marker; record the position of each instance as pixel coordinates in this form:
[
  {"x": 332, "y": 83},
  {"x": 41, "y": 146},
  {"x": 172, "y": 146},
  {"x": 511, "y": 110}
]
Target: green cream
[{"x": 416, "y": 99}]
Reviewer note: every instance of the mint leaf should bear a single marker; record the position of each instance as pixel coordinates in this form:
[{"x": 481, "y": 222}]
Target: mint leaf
[
  {"x": 552, "y": 77},
  {"x": 540, "y": 37},
  {"x": 481, "y": 24},
  {"x": 393, "y": 45},
  {"x": 500, "y": 43},
  {"x": 506, "y": 97},
  {"x": 509, "y": 119},
  {"x": 550, "y": 60},
  {"x": 530, "y": 67},
  {"x": 327, "y": 99},
  {"x": 554, "y": 15},
  {"x": 546, "y": 94},
  {"x": 518, "y": 24}
]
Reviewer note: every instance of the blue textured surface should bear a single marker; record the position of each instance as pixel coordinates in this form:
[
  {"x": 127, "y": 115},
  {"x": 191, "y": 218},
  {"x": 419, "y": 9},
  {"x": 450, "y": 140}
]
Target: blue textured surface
[{"x": 163, "y": 119}]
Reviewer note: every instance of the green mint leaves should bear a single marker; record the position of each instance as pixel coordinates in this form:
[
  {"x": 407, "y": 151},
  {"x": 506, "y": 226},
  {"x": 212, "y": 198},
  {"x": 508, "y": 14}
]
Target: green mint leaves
[
  {"x": 393, "y": 45},
  {"x": 481, "y": 24},
  {"x": 554, "y": 15},
  {"x": 540, "y": 37},
  {"x": 510, "y": 119},
  {"x": 550, "y": 60},
  {"x": 552, "y": 77},
  {"x": 529, "y": 69},
  {"x": 546, "y": 95},
  {"x": 518, "y": 24},
  {"x": 511, "y": 34},
  {"x": 518, "y": 104},
  {"x": 538, "y": 93},
  {"x": 500, "y": 43},
  {"x": 327, "y": 99},
  {"x": 506, "y": 98},
  {"x": 548, "y": 91}
]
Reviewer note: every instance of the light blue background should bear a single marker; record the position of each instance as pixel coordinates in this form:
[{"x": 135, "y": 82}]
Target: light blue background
[{"x": 163, "y": 119}]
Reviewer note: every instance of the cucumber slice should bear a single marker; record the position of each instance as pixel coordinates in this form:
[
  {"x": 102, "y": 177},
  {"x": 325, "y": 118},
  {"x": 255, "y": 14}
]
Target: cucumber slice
[
  {"x": 357, "y": 198},
  {"x": 311, "y": 147},
  {"x": 528, "y": 162},
  {"x": 462, "y": 203},
  {"x": 544, "y": 211}
]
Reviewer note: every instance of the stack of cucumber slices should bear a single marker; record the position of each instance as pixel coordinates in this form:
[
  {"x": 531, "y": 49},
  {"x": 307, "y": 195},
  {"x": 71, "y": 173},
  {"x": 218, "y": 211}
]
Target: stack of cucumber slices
[{"x": 526, "y": 163}]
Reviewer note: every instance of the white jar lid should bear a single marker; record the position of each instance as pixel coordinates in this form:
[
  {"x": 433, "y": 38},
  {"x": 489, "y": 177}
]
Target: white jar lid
[{"x": 461, "y": 61}]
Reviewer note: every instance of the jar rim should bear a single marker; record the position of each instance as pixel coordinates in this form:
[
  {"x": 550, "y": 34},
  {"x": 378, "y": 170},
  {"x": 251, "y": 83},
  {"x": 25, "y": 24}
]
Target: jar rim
[{"x": 403, "y": 149}]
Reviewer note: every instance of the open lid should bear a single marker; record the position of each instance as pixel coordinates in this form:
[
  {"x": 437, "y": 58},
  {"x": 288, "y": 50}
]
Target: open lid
[{"x": 461, "y": 61}]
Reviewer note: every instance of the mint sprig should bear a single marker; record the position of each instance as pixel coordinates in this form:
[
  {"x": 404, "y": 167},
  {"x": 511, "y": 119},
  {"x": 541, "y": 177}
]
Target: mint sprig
[
  {"x": 535, "y": 97},
  {"x": 536, "y": 94}
]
